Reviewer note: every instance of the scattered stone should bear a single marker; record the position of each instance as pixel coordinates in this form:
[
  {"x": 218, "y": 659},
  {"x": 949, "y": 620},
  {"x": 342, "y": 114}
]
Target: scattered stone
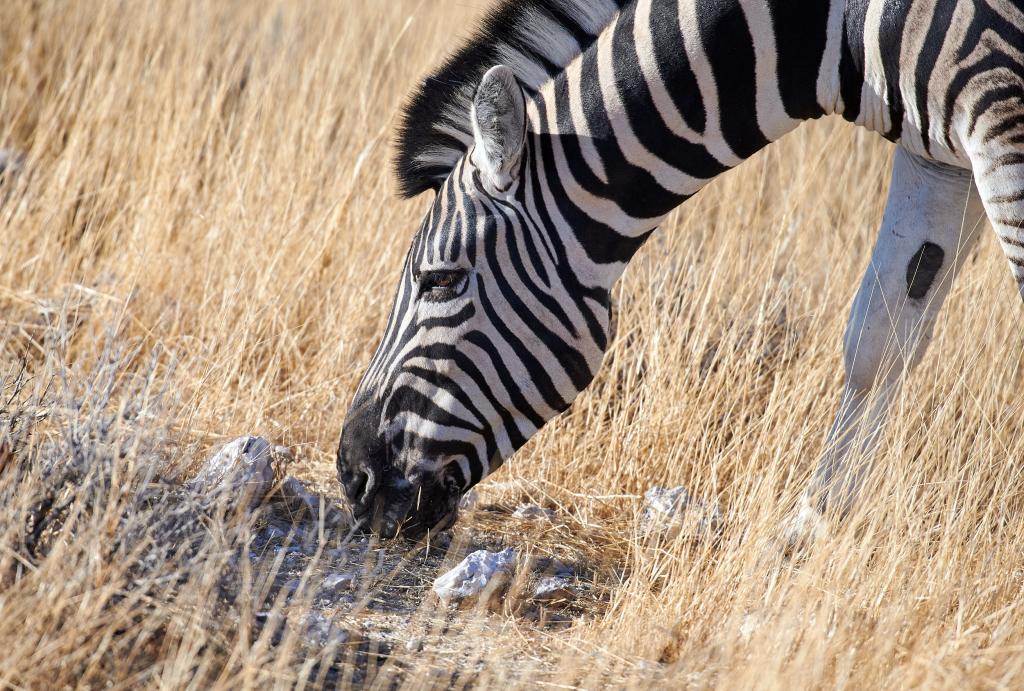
[
  {"x": 480, "y": 576},
  {"x": 532, "y": 512},
  {"x": 273, "y": 532},
  {"x": 243, "y": 470},
  {"x": 442, "y": 540},
  {"x": 291, "y": 587},
  {"x": 293, "y": 549},
  {"x": 306, "y": 506},
  {"x": 661, "y": 501},
  {"x": 414, "y": 645},
  {"x": 321, "y": 631},
  {"x": 550, "y": 566},
  {"x": 300, "y": 500},
  {"x": 562, "y": 569},
  {"x": 669, "y": 513},
  {"x": 294, "y": 560},
  {"x": 338, "y": 554},
  {"x": 554, "y": 590},
  {"x": 338, "y": 583}
]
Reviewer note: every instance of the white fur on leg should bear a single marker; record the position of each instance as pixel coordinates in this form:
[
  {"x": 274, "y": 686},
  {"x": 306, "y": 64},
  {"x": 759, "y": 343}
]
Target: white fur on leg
[{"x": 931, "y": 222}]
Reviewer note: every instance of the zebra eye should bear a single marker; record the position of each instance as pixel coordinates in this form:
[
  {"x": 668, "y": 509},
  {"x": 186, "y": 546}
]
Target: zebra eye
[{"x": 438, "y": 286}]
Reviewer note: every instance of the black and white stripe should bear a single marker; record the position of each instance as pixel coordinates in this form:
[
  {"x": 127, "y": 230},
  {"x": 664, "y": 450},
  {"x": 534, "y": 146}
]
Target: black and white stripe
[
  {"x": 535, "y": 38},
  {"x": 630, "y": 109}
]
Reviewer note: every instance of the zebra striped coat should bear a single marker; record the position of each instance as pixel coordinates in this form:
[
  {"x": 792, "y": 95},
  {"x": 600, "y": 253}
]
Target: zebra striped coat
[{"x": 558, "y": 138}]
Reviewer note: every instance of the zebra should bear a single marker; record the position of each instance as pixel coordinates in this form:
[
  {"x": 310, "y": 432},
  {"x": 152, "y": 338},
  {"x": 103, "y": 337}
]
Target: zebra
[{"x": 562, "y": 133}]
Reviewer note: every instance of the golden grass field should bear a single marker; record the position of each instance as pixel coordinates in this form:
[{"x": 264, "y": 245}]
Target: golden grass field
[{"x": 207, "y": 188}]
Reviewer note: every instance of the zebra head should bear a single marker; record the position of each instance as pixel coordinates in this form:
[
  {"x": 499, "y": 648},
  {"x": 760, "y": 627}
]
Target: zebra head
[{"x": 492, "y": 333}]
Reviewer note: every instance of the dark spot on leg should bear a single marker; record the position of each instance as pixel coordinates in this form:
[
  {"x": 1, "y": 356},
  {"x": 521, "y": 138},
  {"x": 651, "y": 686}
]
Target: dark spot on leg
[{"x": 924, "y": 266}]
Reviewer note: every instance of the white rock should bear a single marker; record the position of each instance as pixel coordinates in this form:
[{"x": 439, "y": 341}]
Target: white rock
[
  {"x": 243, "y": 470},
  {"x": 300, "y": 498},
  {"x": 554, "y": 589},
  {"x": 659, "y": 500},
  {"x": 338, "y": 583},
  {"x": 306, "y": 505},
  {"x": 532, "y": 512},
  {"x": 482, "y": 573},
  {"x": 321, "y": 631},
  {"x": 669, "y": 513}
]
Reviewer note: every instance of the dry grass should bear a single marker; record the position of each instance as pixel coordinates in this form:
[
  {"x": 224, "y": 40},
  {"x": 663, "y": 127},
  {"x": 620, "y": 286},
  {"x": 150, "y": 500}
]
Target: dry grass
[{"x": 208, "y": 182}]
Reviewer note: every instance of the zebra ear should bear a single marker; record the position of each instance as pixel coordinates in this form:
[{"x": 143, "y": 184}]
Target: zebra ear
[{"x": 499, "y": 126}]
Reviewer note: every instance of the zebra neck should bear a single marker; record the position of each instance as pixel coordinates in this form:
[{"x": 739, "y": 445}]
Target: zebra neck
[{"x": 670, "y": 96}]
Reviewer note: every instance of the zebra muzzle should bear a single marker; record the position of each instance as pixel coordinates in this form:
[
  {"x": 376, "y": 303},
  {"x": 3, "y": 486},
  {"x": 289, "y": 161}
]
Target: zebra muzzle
[{"x": 401, "y": 508}]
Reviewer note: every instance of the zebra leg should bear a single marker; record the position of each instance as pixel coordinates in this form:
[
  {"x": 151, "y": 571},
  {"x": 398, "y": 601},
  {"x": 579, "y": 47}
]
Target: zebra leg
[{"x": 929, "y": 226}]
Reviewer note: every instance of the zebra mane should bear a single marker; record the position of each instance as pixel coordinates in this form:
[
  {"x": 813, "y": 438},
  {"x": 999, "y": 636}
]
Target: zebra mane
[{"x": 537, "y": 39}]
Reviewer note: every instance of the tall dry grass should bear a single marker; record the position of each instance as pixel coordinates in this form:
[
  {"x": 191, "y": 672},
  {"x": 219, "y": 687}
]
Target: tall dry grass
[{"x": 207, "y": 188}]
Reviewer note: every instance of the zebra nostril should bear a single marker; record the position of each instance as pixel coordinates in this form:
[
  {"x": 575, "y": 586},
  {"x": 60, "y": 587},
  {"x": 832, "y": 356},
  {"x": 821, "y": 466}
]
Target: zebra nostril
[
  {"x": 361, "y": 487},
  {"x": 361, "y": 456}
]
